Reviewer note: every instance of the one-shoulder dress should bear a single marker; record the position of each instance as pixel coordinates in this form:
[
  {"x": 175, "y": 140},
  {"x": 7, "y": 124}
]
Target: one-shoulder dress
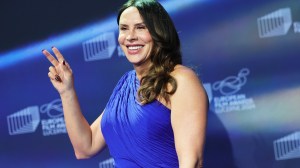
[{"x": 137, "y": 135}]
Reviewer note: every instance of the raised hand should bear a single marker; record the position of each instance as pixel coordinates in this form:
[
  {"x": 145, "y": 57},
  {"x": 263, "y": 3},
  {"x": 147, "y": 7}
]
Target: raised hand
[{"x": 60, "y": 73}]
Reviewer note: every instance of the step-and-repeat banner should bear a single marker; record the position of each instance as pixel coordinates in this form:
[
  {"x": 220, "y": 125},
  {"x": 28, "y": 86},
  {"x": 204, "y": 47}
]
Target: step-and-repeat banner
[{"x": 247, "y": 54}]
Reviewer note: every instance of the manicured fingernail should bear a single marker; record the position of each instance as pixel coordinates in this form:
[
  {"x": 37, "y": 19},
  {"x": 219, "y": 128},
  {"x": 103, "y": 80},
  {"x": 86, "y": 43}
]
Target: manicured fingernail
[
  {"x": 43, "y": 50},
  {"x": 52, "y": 47},
  {"x": 57, "y": 78}
]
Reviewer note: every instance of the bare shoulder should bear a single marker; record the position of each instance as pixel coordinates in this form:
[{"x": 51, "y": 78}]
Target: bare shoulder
[
  {"x": 188, "y": 82},
  {"x": 183, "y": 74},
  {"x": 190, "y": 93}
]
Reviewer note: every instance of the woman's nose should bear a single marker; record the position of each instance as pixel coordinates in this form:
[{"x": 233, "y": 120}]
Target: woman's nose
[{"x": 131, "y": 36}]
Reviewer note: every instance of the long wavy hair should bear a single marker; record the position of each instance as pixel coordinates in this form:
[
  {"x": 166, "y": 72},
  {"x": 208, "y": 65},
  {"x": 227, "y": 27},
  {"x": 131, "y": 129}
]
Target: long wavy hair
[{"x": 165, "y": 53}]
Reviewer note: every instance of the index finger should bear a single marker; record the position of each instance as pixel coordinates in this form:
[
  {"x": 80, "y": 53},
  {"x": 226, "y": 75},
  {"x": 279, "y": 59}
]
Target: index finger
[
  {"x": 53, "y": 60},
  {"x": 58, "y": 55}
]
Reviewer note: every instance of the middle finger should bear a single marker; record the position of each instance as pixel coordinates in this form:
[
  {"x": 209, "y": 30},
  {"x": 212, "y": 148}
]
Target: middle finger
[{"x": 58, "y": 55}]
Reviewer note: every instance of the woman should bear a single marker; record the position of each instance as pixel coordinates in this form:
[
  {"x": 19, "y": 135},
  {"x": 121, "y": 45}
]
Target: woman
[{"x": 156, "y": 115}]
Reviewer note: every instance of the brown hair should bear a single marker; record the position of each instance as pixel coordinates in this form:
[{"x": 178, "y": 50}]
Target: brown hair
[{"x": 165, "y": 54}]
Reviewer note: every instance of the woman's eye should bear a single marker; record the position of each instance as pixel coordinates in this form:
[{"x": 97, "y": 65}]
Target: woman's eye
[
  {"x": 141, "y": 27},
  {"x": 123, "y": 28}
]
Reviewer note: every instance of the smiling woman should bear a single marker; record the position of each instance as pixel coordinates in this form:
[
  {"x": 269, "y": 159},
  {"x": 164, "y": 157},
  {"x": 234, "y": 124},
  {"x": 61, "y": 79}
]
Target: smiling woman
[
  {"x": 134, "y": 38},
  {"x": 156, "y": 115}
]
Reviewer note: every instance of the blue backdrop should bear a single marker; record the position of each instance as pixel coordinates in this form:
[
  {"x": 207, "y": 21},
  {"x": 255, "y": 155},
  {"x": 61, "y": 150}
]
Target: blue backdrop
[{"x": 245, "y": 52}]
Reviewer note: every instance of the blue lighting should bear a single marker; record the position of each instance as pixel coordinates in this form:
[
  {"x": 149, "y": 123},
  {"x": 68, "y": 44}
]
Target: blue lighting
[{"x": 13, "y": 57}]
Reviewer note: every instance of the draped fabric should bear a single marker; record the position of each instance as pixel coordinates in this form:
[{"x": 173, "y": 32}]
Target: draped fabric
[{"x": 137, "y": 135}]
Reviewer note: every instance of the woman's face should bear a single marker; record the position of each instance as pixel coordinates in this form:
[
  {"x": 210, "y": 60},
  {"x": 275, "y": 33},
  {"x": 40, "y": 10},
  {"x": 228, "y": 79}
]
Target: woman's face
[{"x": 134, "y": 37}]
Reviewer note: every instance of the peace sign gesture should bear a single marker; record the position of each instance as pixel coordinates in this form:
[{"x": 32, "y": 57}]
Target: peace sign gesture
[{"x": 60, "y": 73}]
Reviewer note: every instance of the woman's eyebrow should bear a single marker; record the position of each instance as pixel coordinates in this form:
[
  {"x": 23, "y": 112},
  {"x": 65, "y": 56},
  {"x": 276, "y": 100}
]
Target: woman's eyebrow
[
  {"x": 140, "y": 24},
  {"x": 123, "y": 25},
  {"x": 137, "y": 24}
]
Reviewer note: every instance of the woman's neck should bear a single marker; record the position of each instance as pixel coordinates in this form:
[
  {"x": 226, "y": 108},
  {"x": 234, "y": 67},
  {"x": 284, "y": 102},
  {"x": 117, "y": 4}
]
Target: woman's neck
[{"x": 141, "y": 71}]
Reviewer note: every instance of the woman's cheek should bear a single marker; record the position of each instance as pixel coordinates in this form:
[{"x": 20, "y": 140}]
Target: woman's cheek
[{"x": 121, "y": 38}]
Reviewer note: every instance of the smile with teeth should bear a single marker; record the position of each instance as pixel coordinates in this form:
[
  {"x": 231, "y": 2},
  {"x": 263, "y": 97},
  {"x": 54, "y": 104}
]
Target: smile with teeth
[{"x": 134, "y": 47}]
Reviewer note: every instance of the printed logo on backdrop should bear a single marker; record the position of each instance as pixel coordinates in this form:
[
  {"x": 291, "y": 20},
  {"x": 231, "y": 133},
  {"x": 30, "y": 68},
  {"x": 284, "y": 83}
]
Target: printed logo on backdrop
[
  {"x": 287, "y": 147},
  {"x": 101, "y": 47},
  {"x": 23, "y": 121},
  {"x": 230, "y": 100},
  {"x": 27, "y": 120},
  {"x": 109, "y": 163},
  {"x": 276, "y": 23},
  {"x": 54, "y": 124}
]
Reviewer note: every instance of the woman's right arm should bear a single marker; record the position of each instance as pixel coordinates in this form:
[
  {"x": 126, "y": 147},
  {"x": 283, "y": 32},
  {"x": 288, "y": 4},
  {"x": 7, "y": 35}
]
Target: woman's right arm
[{"x": 87, "y": 140}]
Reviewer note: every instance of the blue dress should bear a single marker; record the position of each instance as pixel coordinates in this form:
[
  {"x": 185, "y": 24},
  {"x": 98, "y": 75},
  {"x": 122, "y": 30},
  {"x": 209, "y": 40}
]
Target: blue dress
[{"x": 137, "y": 135}]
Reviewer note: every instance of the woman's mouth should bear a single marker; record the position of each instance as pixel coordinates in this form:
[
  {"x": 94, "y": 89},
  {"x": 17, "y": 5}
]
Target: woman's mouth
[{"x": 134, "y": 49}]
